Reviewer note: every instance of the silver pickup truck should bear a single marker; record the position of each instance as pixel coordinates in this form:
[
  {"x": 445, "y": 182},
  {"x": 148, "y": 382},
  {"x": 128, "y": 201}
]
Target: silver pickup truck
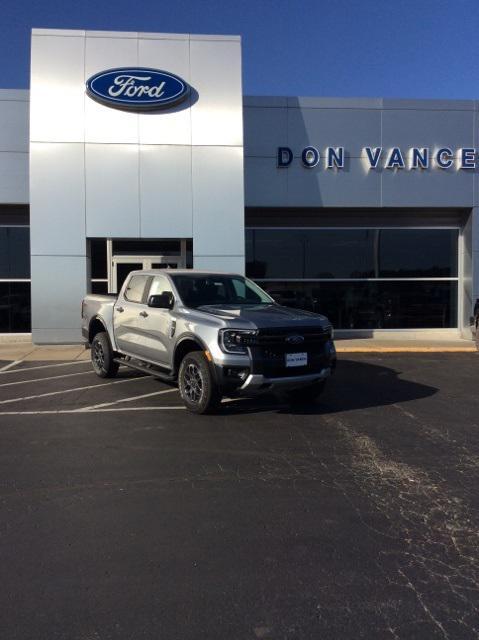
[{"x": 213, "y": 334}]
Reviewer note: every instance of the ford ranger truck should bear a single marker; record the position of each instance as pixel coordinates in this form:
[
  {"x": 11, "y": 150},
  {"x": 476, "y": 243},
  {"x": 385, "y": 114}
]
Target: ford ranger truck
[{"x": 212, "y": 334}]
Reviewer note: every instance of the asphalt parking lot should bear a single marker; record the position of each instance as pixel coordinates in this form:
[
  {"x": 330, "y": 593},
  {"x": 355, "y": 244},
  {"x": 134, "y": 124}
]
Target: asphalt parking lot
[{"x": 123, "y": 516}]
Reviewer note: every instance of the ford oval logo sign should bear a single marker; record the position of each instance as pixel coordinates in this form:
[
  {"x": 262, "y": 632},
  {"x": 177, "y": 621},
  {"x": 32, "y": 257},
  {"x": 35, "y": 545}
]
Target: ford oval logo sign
[
  {"x": 295, "y": 339},
  {"x": 137, "y": 88}
]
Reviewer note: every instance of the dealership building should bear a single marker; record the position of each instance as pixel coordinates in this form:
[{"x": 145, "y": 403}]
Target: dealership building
[{"x": 139, "y": 150}]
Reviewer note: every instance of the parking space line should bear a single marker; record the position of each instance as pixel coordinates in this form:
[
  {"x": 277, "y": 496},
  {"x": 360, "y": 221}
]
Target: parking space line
[
  {"x": 10, "y": 365},
  {"x": 91, "y": 386},
  {"x": 65, "y": 375},
  {"x": 75, "y": 411},
  {"x": 131, "y": 399},
  {"x": 42, "y": 366}
]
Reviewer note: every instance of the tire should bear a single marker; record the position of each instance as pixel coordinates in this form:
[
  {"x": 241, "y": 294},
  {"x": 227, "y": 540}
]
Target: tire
[
  {"x": 102, "y": 356},
  {"x": 196, "y": 384},
  {"x": 308, "y": 394}
]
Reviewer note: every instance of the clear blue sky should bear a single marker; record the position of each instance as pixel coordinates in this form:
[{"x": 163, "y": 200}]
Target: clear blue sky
[{"x": 394, "y": 48}]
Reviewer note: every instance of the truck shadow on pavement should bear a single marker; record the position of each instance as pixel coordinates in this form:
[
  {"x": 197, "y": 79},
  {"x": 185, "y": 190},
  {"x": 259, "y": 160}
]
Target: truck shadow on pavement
[{"x": 355, "y": 385}]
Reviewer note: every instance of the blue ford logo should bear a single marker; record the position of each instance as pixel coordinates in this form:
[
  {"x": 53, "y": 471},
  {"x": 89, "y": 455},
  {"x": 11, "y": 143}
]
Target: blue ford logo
[
  {"x": 137, "y": 88},
  {"x": 295, "y": 339}
]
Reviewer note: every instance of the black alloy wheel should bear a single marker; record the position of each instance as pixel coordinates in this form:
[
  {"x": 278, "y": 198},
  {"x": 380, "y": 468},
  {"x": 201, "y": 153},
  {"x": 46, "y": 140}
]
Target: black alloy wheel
[
  {"x": 196, "y": 383},
  {"x": 193, "y": 382},
  {"x": 102, "y": 356},
  {"x": 98, "y": 355}
]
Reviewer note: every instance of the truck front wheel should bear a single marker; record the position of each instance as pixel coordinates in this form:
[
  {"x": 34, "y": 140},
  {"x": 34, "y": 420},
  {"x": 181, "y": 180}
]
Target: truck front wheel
[
  {"x": 102, "y": 356},
  {"x": 196, "y": 384}
]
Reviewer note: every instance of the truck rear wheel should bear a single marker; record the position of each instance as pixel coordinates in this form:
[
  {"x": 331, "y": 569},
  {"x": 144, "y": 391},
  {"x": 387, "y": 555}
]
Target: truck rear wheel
[
  {"x": 102, "y": 356},
  {"x": 196, "y": 384}
]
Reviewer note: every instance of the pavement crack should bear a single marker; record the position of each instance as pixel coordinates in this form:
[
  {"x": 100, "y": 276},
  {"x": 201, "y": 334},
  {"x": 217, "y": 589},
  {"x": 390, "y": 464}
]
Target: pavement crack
[{"x": 424, "y": 606}]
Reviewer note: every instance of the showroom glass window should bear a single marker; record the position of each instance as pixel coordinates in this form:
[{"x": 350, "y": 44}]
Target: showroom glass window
[
  {"x": 15, "y": 309},
  {"x": 361, "y": 278}
]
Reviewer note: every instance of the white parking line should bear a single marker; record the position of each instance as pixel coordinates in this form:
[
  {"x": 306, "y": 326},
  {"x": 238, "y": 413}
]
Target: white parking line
[
  {"x": 53, "y": 411},
  {"x": 65, "y": 375},
  {"x": 42, "y": 366},
  {"x": 10, "y": 365},
  {"x": 91, "y": 386},
  {"x": 131, "y": 399}
]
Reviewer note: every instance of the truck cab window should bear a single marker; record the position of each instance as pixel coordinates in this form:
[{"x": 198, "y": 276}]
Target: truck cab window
[
  {"x": 136, "y": 288},
  {"x": 159, "y": 285}
]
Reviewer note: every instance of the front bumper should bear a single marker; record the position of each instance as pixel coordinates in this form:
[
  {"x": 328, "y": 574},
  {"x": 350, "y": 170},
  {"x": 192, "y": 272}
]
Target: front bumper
[
  {"x": 258, "y": 383},
  {"x": 264, "y": 368}
]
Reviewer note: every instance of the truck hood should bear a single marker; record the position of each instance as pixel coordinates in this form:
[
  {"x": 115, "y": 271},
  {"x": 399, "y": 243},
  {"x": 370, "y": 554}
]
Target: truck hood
[{"x": 264, "y": 316}]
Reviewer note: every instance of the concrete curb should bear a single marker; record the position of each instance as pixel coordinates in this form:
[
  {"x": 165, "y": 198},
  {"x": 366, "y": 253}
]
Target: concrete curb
[
  {"x": 418, "y": 349},
  {"x": 27, "y": 352}
]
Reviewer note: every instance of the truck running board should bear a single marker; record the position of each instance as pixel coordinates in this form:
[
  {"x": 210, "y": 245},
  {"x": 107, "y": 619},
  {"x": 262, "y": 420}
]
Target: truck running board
[{"x": 151, "y": 371}]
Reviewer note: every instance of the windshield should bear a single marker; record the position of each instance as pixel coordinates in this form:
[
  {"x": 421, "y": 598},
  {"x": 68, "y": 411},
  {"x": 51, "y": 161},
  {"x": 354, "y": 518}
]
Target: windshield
[{"x": 199, "y": 290}]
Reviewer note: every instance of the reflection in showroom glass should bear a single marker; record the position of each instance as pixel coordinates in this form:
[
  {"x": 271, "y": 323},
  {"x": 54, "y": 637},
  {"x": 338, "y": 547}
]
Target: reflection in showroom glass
[
  {"x": 373, "y": 305},
  {"x": 15, "y": 307},
  {"x": 14, "y": 252},
  {"x": 351, "y": 253}
]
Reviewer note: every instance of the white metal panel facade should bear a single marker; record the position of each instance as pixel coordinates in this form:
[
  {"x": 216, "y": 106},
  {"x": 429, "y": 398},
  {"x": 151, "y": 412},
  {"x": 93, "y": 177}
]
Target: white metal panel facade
[
  {"x": 14, "y": 107},
  {"x": 97, "y": 171}
]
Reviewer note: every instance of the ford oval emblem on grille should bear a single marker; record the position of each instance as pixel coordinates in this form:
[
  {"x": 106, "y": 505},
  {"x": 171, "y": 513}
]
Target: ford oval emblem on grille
[
  {"x": 137, "y": 88},
  {"x": 295, "y": 339}
]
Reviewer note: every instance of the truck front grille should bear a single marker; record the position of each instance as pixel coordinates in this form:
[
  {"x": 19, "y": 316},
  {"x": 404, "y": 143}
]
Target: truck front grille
[{"x": 270, "y": 349}]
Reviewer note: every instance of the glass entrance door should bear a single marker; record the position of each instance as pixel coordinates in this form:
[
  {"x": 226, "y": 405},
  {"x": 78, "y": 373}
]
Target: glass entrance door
[{"x": 122, "y": 265}]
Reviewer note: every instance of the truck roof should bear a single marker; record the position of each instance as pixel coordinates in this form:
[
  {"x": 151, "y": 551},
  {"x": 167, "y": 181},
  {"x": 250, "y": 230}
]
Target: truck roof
[{"x": 188, "y": 272}]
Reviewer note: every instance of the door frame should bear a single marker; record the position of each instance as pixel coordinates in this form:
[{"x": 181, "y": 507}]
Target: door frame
[{"x": 145, "y": 260}]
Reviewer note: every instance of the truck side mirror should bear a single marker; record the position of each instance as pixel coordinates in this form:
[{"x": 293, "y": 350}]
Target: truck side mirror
[{"x": 164, "y": 300}]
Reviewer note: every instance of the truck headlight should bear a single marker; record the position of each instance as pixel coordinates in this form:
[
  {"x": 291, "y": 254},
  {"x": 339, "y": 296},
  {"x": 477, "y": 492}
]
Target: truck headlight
[{"x": 235, "y": 340}]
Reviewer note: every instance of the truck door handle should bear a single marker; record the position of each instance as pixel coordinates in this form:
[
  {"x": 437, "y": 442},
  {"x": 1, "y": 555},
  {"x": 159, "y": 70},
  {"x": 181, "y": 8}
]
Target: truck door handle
[
  {"x": 143, "y": 314},
  {"x": 120, "y": 309}
]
